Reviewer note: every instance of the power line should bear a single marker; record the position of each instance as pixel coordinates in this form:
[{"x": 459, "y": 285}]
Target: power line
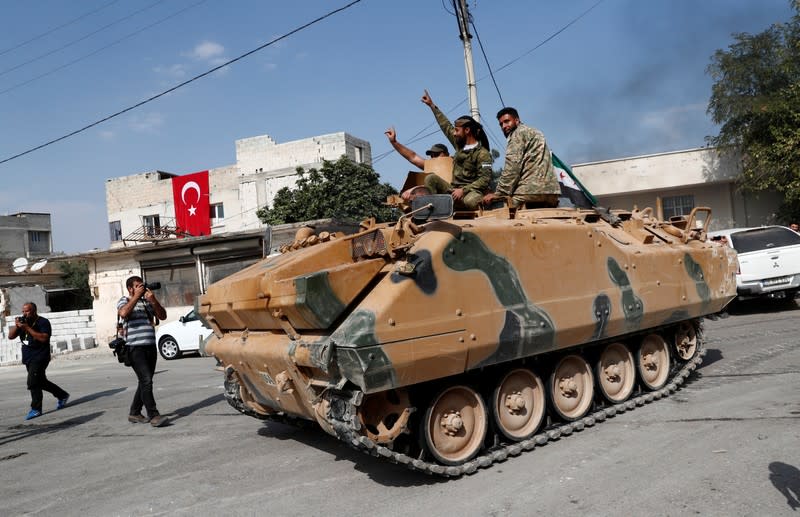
[
  {"x": 104, "y": 47},
  {"x": 46, "y": 33},
  {"x": 73, "y": 42},
  {"x": 559, "y": 31},
  {"x": 417, "y": 136},
  {"x": 486, "y": 59},
  {"x": 184, "y": 83}
]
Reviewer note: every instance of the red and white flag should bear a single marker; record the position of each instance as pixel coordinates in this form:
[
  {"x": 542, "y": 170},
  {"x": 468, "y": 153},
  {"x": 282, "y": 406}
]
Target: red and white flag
[{"x": 191, "y": 196}]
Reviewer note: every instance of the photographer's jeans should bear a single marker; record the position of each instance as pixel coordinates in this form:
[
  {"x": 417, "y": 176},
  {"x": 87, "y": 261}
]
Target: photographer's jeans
[
  {"x": 38, "y": 382},
  {"x": 143, "y": 361}
]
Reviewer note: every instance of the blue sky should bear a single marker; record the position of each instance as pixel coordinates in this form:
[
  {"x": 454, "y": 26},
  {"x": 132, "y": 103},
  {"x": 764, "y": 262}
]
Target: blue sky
[{"x": 627, "y": 79}]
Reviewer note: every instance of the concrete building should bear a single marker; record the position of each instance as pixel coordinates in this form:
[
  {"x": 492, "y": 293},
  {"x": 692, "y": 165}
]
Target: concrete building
[
  {"x": 37, "y": 279},
  {"x": 25, "y": 234},
  {"x": 26, "y": 244},
  {"x": 674, "y": 183},
  {"x": 144, "y": 202}
]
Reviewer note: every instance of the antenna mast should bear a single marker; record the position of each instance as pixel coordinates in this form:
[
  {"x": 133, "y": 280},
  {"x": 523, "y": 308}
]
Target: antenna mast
[{"x": 462, "y": 14}]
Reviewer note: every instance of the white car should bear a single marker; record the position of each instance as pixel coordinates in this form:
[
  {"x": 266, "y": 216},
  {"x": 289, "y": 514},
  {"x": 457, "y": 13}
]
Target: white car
[
  {"x": 184, "y": 335},
  {"x": 769, "y": 260}
]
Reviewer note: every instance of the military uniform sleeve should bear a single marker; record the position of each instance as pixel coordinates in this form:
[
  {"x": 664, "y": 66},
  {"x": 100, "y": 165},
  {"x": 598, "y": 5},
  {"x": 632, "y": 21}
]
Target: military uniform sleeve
[
  {"x": 512, "y": 169},
  {"x": 445, "y": 124},
  {"x": 484, "y": 179}
]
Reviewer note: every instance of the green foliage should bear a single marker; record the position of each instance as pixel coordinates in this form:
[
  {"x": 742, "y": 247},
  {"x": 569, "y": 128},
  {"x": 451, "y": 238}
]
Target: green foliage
[
  {"x": 76, "y": 276},
  {"x": 756, "y": 100},
  {"x": 343, "y": 190}
]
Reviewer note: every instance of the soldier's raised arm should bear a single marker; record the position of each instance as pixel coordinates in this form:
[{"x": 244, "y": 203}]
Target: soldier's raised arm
[
  {"x": 444, "y": 123},
  {"x": 404, "y": 151}
]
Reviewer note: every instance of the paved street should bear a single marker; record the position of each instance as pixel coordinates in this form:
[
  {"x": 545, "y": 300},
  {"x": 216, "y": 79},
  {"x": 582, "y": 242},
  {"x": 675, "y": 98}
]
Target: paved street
[{"x": 725, "y": 444}]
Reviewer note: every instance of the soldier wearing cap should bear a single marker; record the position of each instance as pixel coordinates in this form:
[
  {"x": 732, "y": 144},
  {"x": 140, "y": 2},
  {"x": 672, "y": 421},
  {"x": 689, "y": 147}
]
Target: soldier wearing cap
[
  {"x": 472, "y": 163},
  {"x": 528, "y": 176},
  {"x": 437, "y": 150},
  {"x": 418, "y": 161}
]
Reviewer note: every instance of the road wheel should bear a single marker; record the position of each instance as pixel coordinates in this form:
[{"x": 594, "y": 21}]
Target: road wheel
[
  {"x": 168, "y": 348},
  {"x": 571, "y": 387},
  {"x": 518, "y": 404},
  {"x": 686, "y": 341},
  {"x": 615, "y": 373},
  {"x": 652, "y": 361},
  {"x": 455, "y": 425}
]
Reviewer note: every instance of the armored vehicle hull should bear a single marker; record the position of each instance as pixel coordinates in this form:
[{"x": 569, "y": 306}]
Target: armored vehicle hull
[{"x": 447, "y": 345}]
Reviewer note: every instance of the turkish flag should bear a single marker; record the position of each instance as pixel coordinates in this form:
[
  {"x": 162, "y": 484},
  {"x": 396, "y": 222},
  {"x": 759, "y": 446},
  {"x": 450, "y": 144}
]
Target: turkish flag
[{"x": 191, "y": 196}]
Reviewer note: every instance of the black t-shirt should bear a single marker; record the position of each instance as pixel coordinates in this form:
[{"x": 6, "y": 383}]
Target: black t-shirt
[{"x": 33, "y": 349}]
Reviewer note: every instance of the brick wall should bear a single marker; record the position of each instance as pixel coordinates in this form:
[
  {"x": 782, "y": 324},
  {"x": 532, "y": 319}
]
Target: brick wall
[{"x": 72, "y": 330}]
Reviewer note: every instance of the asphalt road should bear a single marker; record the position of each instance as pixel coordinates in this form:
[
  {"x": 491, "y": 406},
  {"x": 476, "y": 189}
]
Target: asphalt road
[{"x": 724, "y": 444}]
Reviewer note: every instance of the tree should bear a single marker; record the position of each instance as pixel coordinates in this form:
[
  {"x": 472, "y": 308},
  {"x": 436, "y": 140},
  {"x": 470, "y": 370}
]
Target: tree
[
  {"x": 756, "y": 101},
  {"x": 76, "y": 276},
  {"x": 342, "y": 189}
]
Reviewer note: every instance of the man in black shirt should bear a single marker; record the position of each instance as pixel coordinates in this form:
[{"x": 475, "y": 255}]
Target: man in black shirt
[{"x": 36, "y": 356}]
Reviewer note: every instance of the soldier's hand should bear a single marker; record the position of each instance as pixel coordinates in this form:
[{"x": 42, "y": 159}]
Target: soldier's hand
[
  {"x": 426, "y": 99},
  {"x": 391, "y": 134},
  {"x": 488, "y": 198},
  {"x": 458, "y": 194}
]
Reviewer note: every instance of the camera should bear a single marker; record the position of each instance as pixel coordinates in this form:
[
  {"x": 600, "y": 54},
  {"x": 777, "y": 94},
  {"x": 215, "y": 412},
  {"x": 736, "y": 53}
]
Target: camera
[
  {"x": 22, "y": 319},
  {"x": 116, "y": 343},
  {"x": 152, "y": 285}
]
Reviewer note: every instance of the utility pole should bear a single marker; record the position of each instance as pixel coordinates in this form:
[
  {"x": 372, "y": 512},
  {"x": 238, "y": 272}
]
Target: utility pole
[{"x": 462, "y": 14}]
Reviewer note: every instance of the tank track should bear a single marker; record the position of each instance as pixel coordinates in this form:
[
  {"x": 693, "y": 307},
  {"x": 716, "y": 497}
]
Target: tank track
[{"x": 348, "y": 431}]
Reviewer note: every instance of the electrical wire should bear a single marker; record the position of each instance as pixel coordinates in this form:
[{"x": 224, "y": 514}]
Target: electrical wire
[
  {"x": 54, "y": 29},
  {"x": 104, "y": 47},
  {"x": 417, "y": 136},
  {"x": 413, "y": 140},
  {"x": 73, "y": 42},
  {"x": 444, "y": 6},
  {"x": 559, "y": 31},
  {"x": 184, "y": 83},
  {"x": 486, "y": 59}
]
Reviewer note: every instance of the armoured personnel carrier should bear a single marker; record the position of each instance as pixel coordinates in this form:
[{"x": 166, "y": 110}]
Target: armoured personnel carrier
[{"x": 448, "y": 342}]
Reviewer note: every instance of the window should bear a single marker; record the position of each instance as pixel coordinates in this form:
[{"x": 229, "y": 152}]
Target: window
[
  {"x": 115, "y": 231},
  {"x": 217, "y": 214},
  {"x": 764, "y": 239},
  {"x": 677, "y": 206},
  {"x": 217, "y": 270},
  {"x": 39, "y": 242},
  {"x": 151, "y": 224},
  {"x": 359, "y": 154},
  {"x": 179, "y": 284}
]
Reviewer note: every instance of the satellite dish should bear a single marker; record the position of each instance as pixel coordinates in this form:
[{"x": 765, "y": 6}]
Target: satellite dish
[
  {"x": 19, "y": 264},
  {"x": 39, "y": 264}
]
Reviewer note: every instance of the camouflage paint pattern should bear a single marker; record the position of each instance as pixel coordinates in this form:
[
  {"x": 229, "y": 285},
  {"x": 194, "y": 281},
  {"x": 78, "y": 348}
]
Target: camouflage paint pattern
[{"x": 481, "y": 291}]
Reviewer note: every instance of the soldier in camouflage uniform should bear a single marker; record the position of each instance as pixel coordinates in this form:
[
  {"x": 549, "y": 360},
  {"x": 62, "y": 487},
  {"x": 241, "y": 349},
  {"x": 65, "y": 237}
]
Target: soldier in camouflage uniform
[
  {"x": 528, "y": 175},
  {"x": 472, "y": 163}
]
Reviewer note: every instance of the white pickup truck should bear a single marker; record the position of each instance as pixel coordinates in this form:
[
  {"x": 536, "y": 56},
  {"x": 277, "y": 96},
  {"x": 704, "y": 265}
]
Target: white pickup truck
[{"x": 769, "y": 260}]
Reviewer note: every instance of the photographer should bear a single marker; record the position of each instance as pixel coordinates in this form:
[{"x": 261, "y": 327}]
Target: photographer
[
  {"x": 36, "y": 356},
  {"x": 140, "y": 311}
]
